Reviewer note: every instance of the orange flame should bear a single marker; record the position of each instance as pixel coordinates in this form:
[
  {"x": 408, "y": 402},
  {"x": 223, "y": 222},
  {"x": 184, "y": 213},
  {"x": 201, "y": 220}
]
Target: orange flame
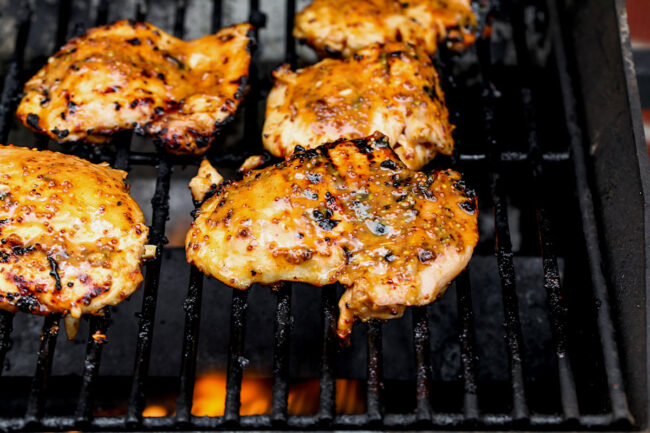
[
  {"x": 350, "y": 397},
  {"x": 154, "y": 410},
  {"x": 304, "y": 397},
  {"x": 210, "y": 397}
]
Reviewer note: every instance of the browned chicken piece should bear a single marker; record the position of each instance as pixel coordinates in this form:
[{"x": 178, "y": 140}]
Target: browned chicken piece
[
  {"x": 348, "y": 211},
  {"x": 206, "y": 180},
  {"x": 393, "y": 89},
  {"x": 72, "y": 240},
  {"x": 130, "y": 75},
  {"x": 342, "y": 27}
]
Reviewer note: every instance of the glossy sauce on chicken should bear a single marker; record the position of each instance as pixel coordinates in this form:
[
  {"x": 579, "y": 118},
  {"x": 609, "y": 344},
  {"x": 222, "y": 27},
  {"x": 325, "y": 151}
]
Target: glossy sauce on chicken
[
  {"x": 348, "y": 211},
  {"x": 342, "y": 27},
  {"x": 130, "y": 75},
  {"x": 393, "y": 89},
  {"x": 71, "y": 237}
]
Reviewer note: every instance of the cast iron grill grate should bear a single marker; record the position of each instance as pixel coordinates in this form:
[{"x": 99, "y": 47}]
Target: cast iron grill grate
[{"x": 495, "y": 160}]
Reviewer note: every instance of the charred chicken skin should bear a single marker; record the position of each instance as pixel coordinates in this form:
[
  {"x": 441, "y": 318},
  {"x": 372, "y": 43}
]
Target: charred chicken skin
[
  {"x": 71, "y": 238},
  {"x": 393, "y": 89},
  {"x": 130, "y": 75},
  {"x": 348, "y": 211},
  {"x": 342, "y": 27}
]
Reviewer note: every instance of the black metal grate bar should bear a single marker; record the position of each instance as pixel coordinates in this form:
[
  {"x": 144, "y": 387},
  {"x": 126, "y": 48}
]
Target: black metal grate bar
[
  {"x": 102, "y": 13},
  {"x": 38, "y": 389},
  {"x": 192, "y": 307},
  {"x": 467, "y": 352},
  {"x": 251, "y": 128},
  {"x": 216, "y": 16},
  {"x": 11, "y": 83},
  {"x": 615, "y": 381},
  {"x": 282, "y": 322},
  {"x": 506, "y": 267},
  {"x": 96, "y": 333},
  {"x": 290, "y": 43},
  {"x": 236, "y": 360},
  {"x": 6, "y": 326},
  {"x": 375, "y": 373},
  {"x": 179, "y": 21},
  {"x": 42, "y": 141},
  {"x": 256, "y": 16},
  {"x": 122, "y": 150},
  {"x": 392, "y": 421},
  {"x": 421, "y": 343},
  {"x": 558, "y": 316},
  {"x": 503, "y": 247},
  {"x": 327, "y": 397},
  {"x": 62, "y": 24},
  {"x": 558, "y": 311},
  {"x": 281, "y": 347},
  {"x": 160, "y": 204},
  {"x": 141, "y": 9}
]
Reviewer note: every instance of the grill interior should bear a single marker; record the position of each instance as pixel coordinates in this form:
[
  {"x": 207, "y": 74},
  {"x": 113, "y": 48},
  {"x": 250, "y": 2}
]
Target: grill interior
[{"x": 524, "y": 338}]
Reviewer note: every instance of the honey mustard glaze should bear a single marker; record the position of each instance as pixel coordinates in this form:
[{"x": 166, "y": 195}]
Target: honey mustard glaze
[
  {"x": 348, "y": 211},
  {"x": 71, "y": 237}
]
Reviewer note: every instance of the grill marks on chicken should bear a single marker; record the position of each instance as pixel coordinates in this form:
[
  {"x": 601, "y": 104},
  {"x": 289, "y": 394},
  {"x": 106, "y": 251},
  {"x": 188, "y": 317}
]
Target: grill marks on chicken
[
  {"x": 341, "y": 27},
  {"x": 71, "y": 237},
  {"x": 347, "y": 211},
  {"x": 131, "y": 75},
  {"x": 393, "y": 89}
]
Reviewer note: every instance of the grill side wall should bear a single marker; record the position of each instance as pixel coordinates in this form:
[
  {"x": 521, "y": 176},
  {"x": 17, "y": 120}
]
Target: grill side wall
[{"x": 616, "y": 152}]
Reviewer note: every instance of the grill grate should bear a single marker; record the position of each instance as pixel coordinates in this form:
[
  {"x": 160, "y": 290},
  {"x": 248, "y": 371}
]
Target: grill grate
[
  {"x": 425, "y": 416},
  {"x": 620, "y": 410}
]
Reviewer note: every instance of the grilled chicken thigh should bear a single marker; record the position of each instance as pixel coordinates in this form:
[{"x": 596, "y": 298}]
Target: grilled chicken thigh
[
  {"x": 393, "y": 89},
  {"x": 348, "y": 211},
  {"x": 131, "y": 75},
  {"x": 71, "y": 238},
  {"x": 334, "y": 27}
]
